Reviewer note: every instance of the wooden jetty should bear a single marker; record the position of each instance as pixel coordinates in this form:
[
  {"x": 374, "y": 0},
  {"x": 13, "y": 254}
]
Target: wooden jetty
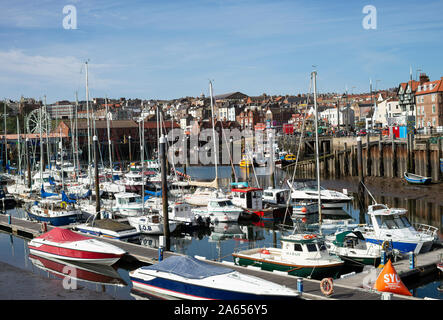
[{"x": 344, "y": 289}]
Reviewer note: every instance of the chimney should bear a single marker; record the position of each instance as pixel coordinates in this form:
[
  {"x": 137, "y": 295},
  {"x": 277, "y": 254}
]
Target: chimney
[{"x": 423, "y": 78}]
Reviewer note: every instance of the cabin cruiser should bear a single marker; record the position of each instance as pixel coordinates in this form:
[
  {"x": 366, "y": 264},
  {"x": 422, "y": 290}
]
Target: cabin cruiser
[
  {"x": 200, "y": 197},
  {"x": 301, "y": 254},
  {"x": 219, "y": 209},
  {"x": 306, "y": 190},
  {"x": 128, "y": 204},
  {"x": 392, "y": 226}
]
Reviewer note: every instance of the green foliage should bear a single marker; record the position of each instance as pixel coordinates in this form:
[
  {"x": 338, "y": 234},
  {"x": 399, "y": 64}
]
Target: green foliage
[{"x": 11, "y": 121}]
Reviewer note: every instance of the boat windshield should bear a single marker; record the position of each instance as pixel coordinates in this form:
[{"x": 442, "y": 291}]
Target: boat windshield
[
  {"x": 134, "y": 200},
  {"x": 223, "y": 203},
  {"x": 393, "y": 222}
]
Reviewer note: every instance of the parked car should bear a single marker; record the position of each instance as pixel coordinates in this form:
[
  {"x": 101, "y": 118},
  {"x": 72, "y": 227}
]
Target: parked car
[{"x": 362, "y": 132}]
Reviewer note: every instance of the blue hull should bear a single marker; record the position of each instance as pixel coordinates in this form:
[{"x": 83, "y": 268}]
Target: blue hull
[
  {"x": 201, "y": 292},
  {"x": 55, "y": 221},
  {"x": 404, "y": 247},
  {"x": 424, "y": 180}
]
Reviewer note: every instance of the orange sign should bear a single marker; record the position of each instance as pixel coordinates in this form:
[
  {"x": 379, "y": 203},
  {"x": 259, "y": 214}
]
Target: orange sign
[{"x": 389, "y": 281}]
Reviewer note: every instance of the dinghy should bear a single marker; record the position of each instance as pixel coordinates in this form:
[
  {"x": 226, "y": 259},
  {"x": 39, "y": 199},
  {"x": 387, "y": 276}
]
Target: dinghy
[
  {"x": 186, "y": 277},
  {"x": 416, "y": 179},
  {"x": 65, "y": 244}
]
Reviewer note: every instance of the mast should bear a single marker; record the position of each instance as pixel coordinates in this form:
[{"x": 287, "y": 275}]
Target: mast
[
  {"x": 109, "y": 138},
  {"x": 76, "y": 134},
  {"x": 213, "y": 133},
  {"x": 18, "y": 149},
  {"x": 6, "y": 141},
  {"x": 314, "y": 79},
  {"x": 89, "y": 134}
]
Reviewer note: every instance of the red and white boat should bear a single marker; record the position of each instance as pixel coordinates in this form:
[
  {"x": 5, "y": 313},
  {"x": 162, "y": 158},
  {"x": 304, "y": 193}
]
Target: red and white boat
[{"x": 67, "y": 245}]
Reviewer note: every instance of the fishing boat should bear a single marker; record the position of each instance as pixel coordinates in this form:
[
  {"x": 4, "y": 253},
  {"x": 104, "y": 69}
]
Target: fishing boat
[
  {"x": 68, "y": 245},
  {"x": 301, "y": 255},
  {"x": 416, "y": 179},
  {"x": 352, "y": 247},
  {"x": 392, "y": 225},
  {"x": 186, "y": 277},
  {"x": 219, "y": 209}
]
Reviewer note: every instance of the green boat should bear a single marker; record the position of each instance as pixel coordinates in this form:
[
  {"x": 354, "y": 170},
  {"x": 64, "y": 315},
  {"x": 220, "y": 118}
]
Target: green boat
[
  {"x": 301, "y": 255},
  {"x": 352, "y": 247}
]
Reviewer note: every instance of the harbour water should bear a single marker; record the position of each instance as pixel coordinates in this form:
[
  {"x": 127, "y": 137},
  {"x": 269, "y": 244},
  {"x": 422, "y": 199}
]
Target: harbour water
[{"x": 216, "y": 243}]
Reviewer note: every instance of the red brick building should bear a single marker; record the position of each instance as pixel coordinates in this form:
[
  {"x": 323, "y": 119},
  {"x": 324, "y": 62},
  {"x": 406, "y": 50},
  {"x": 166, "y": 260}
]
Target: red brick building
[{"x": 429, "y": 103}]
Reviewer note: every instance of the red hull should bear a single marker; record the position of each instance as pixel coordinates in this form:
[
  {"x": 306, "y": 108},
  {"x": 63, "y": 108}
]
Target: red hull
[{"x": 74, "y": 254}]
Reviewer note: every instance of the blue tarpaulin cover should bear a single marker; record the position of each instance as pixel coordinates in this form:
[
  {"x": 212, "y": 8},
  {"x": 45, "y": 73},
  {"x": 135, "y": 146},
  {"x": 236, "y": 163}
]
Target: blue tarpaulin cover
[
  {"x": 45, "y": 194},
  {"x": 188, "y": 267}
]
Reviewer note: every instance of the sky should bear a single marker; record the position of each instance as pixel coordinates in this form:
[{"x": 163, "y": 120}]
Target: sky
[{"x": 168, "y": 49}]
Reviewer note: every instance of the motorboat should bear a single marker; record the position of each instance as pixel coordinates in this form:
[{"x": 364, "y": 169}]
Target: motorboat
[
  {"x": 200, "y": 196},
  {"x": 300, "y": 254},
  {"x": 392, "y": 225},
  {"x": 352, "y": 247},
  {"x": 186, "y": 277},
  {"x": 219, "y": 209},
  {"x": 307, "y": 190},
  {"x": 416, "y": 179},
  {"x": 151, "y": 223},
  {"x": 129, "y": 204},
  {"x": 109, "y": 228},
  {"x": 68, "y": 245}
]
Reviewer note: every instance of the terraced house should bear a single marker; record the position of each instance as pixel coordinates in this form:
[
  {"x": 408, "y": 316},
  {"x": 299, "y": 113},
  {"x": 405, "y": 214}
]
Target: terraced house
[{"x": 429, "y": 102}]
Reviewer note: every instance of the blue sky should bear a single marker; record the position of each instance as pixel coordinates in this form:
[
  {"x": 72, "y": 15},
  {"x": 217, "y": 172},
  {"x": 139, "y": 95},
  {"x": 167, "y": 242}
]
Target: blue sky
[{"x": 169, "y": 49}]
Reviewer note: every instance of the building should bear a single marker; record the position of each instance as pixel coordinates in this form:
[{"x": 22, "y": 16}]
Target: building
[
  {"x": 61, "y": 110},
  {"x": 387, "y": 109},
  {"x": 346, "y": 117},
  {"x": 429, "y": 102}
]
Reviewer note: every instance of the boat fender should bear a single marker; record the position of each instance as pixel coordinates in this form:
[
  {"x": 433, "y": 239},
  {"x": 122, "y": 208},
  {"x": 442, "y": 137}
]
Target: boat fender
[
  {"x": 327, "y": 286},
  {"x": 265, "y": 251},
  {"x": 303, "y": 210},
  {"x": 44, "y": 227}
]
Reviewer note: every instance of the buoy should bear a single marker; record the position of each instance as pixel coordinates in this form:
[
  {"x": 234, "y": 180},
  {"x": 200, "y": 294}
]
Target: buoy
[
  {"x": 303, "y": 210},
  {"x": 265, "y": 251},
  {"x": 327, "y": 286},
  {"x": 389, "y": 281}
]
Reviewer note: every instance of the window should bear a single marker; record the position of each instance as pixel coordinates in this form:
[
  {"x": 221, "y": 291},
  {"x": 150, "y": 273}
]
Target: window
[
  {"x": 297, "y": 247},
  {"x": 311, "y": 247},
  {"x": 433, "y": 108},
  {"x": 433, "y": 97}
]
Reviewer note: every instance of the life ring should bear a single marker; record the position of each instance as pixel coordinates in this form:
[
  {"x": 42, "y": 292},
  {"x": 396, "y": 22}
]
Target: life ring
[
  {"x": 309, "y": 236},
  {"x": 327, "y": 286},
  {"x": 63, "y": 205},
  {"x": 385, "y": 245}
]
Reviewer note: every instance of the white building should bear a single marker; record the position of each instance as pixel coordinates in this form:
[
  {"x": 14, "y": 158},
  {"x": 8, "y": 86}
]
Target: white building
[
  {"x": 385, "y": 109},
  {"x": 346, "y": 116}
]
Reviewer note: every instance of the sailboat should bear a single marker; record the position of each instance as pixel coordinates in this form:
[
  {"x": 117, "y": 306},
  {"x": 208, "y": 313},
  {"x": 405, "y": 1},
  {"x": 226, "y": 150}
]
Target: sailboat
[{"x": 206, "y": 190}]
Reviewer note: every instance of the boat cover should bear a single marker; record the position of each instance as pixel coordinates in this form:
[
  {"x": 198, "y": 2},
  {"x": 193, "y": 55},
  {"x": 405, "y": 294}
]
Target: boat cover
[
  {"x": 66, "y": 199},
  {"x": 45, "y": 194},
  {"x": 62, "y": 235},
  {"x": 188, "y": 267},
  {"x": 78, "y": 197}
]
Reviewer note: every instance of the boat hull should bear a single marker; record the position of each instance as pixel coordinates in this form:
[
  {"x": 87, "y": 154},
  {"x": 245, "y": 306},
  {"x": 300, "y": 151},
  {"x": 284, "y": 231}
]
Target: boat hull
[
  {"x": 55, "y": 221},
  {"x": 314, "y": 271},
  {"x": 51, "y": 251},
  {"x": 190, "y": 291},
  {"x": 405, "y": 247},
  {"x": 417, "y": 179}
]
